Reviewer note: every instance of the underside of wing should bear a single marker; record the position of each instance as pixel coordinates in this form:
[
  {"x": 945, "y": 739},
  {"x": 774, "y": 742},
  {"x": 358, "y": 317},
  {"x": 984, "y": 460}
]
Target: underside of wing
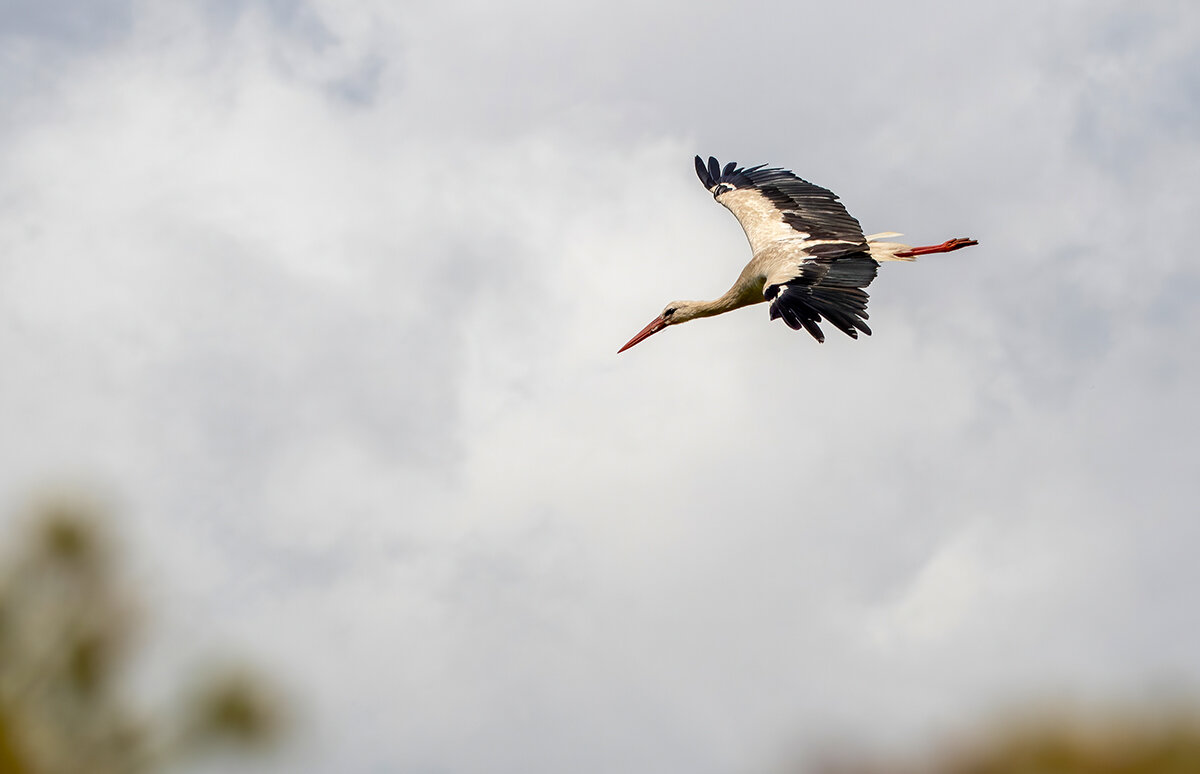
[
  {"x": 824, "y": 288},
  {"x": 774, "y": 205}
]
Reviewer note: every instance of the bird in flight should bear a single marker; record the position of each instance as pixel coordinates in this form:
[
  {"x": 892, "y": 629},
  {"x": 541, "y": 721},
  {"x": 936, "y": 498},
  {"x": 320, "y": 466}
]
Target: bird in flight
[{"x": 811, "y": 260}]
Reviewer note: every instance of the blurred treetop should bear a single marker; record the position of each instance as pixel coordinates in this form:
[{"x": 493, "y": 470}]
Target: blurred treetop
[{"x": 66, "y": 634}]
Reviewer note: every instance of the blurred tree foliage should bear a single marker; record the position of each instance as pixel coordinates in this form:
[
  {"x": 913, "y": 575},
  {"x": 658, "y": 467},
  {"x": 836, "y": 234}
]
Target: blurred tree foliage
[
  {"x": 1163, "y": 739},
  {"x": 66, "y": 623}
]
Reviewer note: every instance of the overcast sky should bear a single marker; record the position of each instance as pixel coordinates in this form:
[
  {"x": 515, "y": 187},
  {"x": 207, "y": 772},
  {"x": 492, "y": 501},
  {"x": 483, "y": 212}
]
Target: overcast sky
[{"x": 329, "y": 293}]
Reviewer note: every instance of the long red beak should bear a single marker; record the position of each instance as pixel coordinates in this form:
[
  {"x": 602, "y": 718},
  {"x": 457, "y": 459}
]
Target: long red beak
[{"x": 654, "y": 327}]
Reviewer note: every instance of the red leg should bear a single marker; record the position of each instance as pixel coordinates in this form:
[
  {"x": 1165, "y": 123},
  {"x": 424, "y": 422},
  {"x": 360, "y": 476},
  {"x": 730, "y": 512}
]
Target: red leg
[{"x": 949, "y": 245}]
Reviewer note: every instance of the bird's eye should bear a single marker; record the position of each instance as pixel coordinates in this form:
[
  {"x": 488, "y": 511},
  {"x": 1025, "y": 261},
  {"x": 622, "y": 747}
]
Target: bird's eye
[{"x": 668, "y": 312}]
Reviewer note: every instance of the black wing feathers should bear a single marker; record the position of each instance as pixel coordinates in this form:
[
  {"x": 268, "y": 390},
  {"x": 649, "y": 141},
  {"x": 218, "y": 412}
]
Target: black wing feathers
[
  {"x": 828, "y": 283},
  {"x": 805, "y": 207},
  {"x": 829, "y": 288}
]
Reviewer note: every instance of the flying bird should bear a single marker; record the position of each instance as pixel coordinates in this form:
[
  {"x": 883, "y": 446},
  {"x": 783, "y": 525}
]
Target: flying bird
[{"x": 810, "y": 259}]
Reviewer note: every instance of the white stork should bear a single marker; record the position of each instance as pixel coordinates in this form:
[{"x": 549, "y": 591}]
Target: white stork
[{"x": 811, "y": 260}]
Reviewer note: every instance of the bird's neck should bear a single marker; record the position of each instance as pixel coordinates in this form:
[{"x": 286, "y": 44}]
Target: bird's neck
[{"x": 741, "y": 294}]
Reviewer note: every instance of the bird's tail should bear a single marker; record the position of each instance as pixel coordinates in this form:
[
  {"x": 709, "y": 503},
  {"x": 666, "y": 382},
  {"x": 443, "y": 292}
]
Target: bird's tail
[
  {"x": 894, "y": 251},
  {"x": 886, "y": 251}
]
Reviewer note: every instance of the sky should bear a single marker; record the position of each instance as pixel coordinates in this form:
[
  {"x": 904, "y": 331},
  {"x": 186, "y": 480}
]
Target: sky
[{"x": 327, "y": 295}]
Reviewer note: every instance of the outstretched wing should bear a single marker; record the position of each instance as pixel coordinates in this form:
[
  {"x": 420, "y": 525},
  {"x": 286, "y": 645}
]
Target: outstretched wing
[
  {"x": 826, "y": 287},
  {"x": 774, "y": 205}
]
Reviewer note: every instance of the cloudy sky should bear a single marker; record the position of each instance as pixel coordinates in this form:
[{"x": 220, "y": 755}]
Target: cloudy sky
[{"x": 328, "y": 294}]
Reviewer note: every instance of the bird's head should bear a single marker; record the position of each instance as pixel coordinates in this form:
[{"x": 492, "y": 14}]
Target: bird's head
[{"x": 675, "y": 312}]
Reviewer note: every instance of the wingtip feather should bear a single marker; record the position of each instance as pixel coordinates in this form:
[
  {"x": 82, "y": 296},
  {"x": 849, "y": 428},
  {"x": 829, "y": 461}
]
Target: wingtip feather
[{"x": 702, "y": 173}]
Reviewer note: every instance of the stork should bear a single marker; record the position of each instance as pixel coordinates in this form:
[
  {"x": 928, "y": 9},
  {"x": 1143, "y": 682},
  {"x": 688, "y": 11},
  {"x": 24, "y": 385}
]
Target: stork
[{"x": 810, "y": 258}]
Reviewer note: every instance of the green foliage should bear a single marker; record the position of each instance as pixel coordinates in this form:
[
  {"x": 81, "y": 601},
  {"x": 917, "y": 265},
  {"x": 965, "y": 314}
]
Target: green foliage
[
  {"x": 1163, "y": 739},
  {"x": 66, "y": 631}
]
